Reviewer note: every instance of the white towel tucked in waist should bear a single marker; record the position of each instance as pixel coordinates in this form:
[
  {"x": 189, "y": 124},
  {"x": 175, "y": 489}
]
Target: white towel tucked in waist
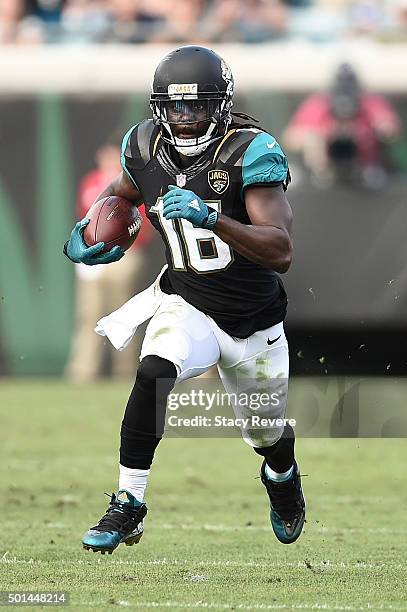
[{"x": 121, "y": 325}]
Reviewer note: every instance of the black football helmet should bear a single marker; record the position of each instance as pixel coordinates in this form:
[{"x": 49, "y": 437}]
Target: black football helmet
[{"x": 192, "y": 88}]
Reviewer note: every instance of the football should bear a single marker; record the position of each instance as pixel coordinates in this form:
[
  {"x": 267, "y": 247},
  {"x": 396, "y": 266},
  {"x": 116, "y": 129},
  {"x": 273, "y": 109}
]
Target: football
[{"x": 114, "y": 221}]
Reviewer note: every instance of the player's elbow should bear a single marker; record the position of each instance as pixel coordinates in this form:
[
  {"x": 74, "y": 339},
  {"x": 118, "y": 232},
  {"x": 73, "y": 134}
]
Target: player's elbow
[{"x": 283, "y": 264}]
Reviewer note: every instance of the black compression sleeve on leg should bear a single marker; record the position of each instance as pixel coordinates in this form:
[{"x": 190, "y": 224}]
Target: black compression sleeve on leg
[
  {"x": 144, "y": 418},
  {"x": 280, "y": 456}
]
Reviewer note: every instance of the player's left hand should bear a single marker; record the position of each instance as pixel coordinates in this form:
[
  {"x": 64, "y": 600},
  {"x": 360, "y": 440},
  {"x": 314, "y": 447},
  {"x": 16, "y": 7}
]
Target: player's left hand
[{"x": 185, "y": 204}]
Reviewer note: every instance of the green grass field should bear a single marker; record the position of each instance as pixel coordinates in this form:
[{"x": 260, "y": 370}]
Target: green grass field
[{"x": 207, "y": 543}]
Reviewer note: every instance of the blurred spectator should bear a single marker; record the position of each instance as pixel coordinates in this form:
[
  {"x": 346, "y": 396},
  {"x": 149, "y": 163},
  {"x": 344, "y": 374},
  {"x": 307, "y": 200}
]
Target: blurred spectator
[
  {"x": 366, "y": 17},
  {"x": 222, "y": 21},
  {"x": 49, "y": 11},
  {"x": 182, "y": 23},
  {"x": 320, "y": 21},
  {"x": 298, "y": 3},
  {"x": 401, "y": 9},
  {"x": 263, "y": 20},
  {"x": 42, "y": 22},
  {"x": 168, "y": 21},
  {"x": 101, "y": 289},
  {"x": 85, "y": 21},
  {"x": 399, "y": 15},
  {"x": 11, "y": 12},
  {"x": 253, "y": 21},
  {"x": 136, "y": 21},
  {"x": 31, "y": 31},
  {"x": 342, "y": 132}
]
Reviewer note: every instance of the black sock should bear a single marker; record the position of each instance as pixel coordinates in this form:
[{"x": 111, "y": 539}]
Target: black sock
[
  {"x": 144, "y": 418},
  {"x": 280, "y": 456}
]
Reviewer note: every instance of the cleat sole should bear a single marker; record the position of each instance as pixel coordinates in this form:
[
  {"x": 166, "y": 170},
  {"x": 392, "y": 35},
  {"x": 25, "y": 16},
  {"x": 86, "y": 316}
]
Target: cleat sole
[
  {"x": 134, "y": 540},
  {"x": 129, "y": 542},
  {"x": 95, "y": 550}
]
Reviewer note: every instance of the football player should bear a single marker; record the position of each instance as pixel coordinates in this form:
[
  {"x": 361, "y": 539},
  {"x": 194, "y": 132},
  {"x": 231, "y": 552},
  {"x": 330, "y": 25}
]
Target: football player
[{"x": 214, "y": 187}]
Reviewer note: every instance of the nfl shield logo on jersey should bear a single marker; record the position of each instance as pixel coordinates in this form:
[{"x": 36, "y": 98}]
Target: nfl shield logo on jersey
[
  {"x": 181, "y": 180},
  {"x": 218, "y": 180}
]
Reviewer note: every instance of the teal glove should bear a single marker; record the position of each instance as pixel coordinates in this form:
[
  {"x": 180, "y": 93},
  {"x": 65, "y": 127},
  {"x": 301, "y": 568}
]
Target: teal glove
[
  {"x": 78, "y": 252},
  {"x": 185, "y": 204}
]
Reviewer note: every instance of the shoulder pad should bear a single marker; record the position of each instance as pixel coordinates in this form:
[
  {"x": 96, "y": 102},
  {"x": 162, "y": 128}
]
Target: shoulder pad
[
  {"x": 139, "y": 145},
  {"x": 234, "y": 143},
  {"x": 264, "y": 161}
]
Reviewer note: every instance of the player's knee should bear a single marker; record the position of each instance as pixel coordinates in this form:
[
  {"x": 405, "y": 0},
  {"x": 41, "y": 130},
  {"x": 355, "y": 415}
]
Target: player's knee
[
  {"x": 153, "y": 368},
  {"x": 145, "y": 411}
]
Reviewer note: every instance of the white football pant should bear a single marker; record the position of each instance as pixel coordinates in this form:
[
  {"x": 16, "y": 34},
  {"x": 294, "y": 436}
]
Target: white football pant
[{"x": 192, "y": 341}]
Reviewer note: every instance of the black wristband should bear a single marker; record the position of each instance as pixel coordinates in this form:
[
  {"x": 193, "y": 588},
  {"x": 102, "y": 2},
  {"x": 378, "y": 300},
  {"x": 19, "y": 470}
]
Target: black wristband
[{"x": 211, "y": 219}]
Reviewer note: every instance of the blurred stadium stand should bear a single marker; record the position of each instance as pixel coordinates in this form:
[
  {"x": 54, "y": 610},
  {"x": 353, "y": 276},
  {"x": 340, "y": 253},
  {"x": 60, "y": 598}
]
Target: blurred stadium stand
[
  {"x": 59, "y": 100},
  {"x": 165, "y": 21}
]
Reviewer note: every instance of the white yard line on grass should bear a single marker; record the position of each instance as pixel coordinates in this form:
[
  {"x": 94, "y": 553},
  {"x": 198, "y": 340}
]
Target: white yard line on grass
[
  {"x": 265, "y": 564},
  {"x": 223, "y": 563},
  {"x": 231, "y": 606}
]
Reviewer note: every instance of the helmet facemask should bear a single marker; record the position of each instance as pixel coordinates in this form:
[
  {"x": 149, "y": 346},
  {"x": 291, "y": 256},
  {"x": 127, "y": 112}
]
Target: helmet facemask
[{"x": 191, "y": 122}]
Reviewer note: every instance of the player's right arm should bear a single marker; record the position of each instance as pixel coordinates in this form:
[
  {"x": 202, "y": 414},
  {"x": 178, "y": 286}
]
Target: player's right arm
[
  {"x": 77, "y": 250},
  {"x": 123, "y": 186}
]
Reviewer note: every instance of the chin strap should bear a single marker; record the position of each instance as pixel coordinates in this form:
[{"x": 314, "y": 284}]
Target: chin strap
[{"x": 193, "y": 150}]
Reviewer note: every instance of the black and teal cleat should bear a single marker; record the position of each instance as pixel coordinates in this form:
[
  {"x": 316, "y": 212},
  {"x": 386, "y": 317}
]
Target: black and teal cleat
[
  {"x": 122, "y": 523},
  {"x": 287, "y": 505}
]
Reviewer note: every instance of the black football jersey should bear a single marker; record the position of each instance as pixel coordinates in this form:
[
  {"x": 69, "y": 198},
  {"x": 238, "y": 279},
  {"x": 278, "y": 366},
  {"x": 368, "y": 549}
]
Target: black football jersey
[{"x": 241, "y": 296}]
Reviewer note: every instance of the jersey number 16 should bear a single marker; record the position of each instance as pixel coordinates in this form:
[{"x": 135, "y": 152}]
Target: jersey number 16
[{"x": 197, "y": 248}]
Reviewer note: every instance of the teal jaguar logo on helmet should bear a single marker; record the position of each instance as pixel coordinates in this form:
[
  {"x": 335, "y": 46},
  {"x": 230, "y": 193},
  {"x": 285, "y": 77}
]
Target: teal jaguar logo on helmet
[{"x": 218, "y": 180}]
